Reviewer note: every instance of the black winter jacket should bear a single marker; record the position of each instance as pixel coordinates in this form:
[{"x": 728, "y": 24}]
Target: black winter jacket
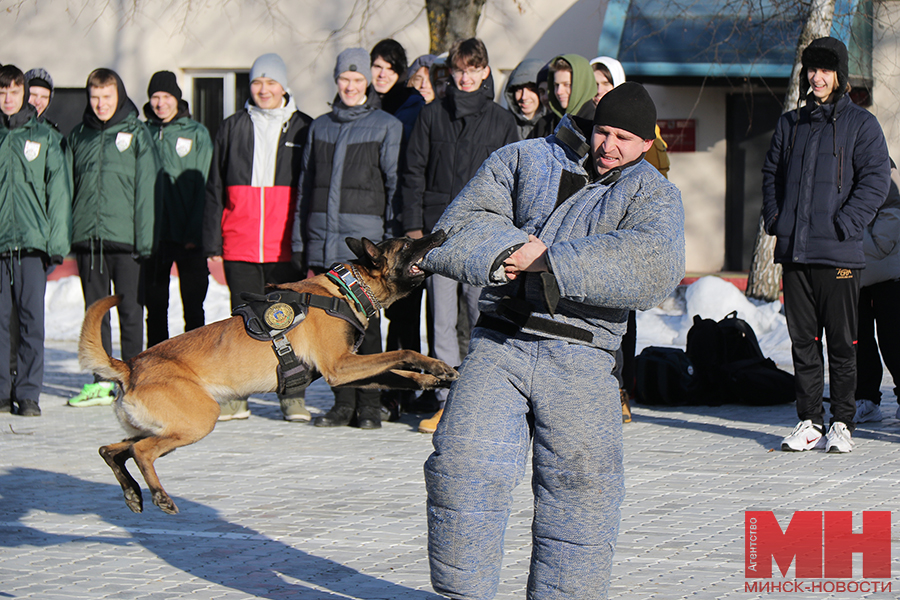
[
  {"x": 449, "y": 141},
  {"x": 826, "y": 174}
]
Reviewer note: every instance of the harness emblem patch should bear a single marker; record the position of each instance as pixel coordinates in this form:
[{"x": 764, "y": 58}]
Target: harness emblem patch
[{"x": 279, "y": 316}]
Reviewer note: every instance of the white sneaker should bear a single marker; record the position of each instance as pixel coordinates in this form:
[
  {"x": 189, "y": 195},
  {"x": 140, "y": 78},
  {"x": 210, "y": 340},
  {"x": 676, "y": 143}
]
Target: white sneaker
[
  {"x": 866, "y": 411},
  {"x": 838, "y": 439},
  {"x": 805, "y": 436}
]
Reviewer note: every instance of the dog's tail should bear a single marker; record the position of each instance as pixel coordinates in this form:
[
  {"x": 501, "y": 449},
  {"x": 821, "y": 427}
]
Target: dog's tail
[{"x": 91, "y": 354}]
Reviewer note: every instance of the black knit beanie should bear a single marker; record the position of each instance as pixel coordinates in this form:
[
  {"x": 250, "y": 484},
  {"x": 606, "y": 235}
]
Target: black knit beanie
[
  {"x": 628, "y": 106},
  {"x": 825, "y": 53},
  {"x": 164, "y": 81}
]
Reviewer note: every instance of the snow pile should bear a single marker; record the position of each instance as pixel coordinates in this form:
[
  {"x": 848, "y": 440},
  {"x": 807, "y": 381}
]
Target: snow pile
[{"x": 712, "y": 298}]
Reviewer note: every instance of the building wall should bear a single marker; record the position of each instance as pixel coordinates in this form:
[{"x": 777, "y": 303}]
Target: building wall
[
  {"x": 699, "y": 175},
  {"x": 77, "y": 37}
]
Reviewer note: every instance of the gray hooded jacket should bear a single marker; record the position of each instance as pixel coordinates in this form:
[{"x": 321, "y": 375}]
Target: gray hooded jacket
[{"x": 526, "y": 72}]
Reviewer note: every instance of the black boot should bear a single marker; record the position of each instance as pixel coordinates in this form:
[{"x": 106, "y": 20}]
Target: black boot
[
  {"x": 368, "y": 409},
  {"x": 343, "y": 411}
]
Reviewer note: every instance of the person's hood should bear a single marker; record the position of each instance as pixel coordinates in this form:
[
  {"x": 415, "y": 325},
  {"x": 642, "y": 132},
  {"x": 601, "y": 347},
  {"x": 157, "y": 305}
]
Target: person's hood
[
  {"x": 584, "y": 86},
  {"x": 41, "y": 74},
  {"x": 426, "y": 60},
  {"x": 23, "y": 116},
  {"x": 124, "y": 107},
  {"x": 462, "y": 104},
  {"x": 282, "y": 113},
  {"x": 525, "y": 72},
  {"x": 615, "y": 69},
  {"x": 183, "y": 111}
]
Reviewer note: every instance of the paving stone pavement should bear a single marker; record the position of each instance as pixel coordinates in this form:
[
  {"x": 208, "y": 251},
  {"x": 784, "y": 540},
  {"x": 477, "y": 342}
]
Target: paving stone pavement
[{"x": 276, "y": 510}]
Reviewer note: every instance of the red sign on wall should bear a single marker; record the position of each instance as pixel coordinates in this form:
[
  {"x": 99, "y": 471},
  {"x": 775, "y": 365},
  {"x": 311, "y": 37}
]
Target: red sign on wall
[{"x": 679, "y": 134}]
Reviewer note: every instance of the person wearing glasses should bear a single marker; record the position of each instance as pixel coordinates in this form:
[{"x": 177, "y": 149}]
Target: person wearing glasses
[{"x": 450, "y": 140}]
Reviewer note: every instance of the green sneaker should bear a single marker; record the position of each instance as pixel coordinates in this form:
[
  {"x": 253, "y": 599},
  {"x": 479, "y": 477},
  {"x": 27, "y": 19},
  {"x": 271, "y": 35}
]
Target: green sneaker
[
  {"x": 102, "y": 393},
  {"x": 294, "y": 409},
  {"x": 234, "y": 410}
]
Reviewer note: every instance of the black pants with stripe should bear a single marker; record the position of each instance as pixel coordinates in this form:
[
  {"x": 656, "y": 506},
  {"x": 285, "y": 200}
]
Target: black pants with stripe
[{"x": 819, "y": 298}]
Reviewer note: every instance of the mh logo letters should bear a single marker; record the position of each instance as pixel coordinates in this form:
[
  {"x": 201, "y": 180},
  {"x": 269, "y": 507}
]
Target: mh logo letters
[{"x": 822, "y": 543}]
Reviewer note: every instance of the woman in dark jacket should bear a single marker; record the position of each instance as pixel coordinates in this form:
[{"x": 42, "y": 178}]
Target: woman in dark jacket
[{"x": 825, "y": 175}]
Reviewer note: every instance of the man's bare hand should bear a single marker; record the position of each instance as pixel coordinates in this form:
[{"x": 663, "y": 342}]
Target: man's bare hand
[
  {"x": 531, "y": 257},
  {"x": 415, "y": 234}
]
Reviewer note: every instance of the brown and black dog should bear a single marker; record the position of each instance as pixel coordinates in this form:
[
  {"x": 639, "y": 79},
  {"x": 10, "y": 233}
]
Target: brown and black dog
[{"x": 171, "y": 389}]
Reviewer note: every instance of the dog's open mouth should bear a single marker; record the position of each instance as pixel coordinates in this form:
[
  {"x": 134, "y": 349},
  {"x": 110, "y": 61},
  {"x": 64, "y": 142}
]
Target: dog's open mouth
[{"x": 415, "y": 270}]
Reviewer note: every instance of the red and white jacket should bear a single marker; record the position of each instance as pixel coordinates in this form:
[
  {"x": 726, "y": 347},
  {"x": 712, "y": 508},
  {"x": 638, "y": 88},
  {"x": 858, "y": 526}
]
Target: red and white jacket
[{"x": 251, "y": 190}]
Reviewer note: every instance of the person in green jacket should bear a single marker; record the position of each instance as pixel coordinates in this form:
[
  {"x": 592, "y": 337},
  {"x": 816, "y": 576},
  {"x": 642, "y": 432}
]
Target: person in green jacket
[
  {"x": 185, "y": 150},
  {"x": 115, "y": 172},
  {"x": 35, "y": 231}
]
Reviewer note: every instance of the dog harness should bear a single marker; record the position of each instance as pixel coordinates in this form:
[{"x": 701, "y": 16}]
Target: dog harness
[{"x": 269, "y": 317}]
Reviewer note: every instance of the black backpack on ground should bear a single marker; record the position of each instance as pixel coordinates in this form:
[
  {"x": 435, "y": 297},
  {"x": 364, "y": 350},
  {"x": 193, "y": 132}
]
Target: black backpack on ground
[
  {"x": 730, "y": 366},
  {"x": 664, "y": 377}
]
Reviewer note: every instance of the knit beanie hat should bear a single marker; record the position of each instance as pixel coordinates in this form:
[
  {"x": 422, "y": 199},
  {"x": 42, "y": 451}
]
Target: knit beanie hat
[
  {"x": 629, "y": 107},
  {"x": 164, "y": 81},
  {"x": 353, "y": 59},
  {"x": 825, "y": 53},
  {"x": 270, "y": 66}
]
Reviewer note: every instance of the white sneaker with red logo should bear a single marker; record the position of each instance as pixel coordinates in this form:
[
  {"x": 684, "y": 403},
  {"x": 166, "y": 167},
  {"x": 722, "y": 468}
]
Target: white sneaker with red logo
[{"x": 805, "y": 436}]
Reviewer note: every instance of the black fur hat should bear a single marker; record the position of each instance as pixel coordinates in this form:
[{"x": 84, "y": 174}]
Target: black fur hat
[{"x": 825, "y": 53}]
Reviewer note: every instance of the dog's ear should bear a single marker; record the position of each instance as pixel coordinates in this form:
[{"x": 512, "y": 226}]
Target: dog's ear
[{"x": 365, "y": 250}]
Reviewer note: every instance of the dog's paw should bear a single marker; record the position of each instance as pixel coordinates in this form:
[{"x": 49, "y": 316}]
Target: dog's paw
[
  {"x": 443, "y": 371},
  {"x": 162, "y": 500},
  {"x": 134, "y": 500}
]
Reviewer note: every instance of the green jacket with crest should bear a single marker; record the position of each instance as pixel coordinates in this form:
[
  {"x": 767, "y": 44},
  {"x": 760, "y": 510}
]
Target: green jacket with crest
[
  {"x": 35, "y": 190},
  {"x": 115, "y": 173}
]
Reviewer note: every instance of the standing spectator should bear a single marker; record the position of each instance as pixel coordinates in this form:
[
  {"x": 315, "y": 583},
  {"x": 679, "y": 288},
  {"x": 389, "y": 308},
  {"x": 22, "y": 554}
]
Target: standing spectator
[
  {"x": 448, "y": 144},
  {"x": 250, "y": 199},
  {"x": 572, "y": 88},
  {"x": 825, "y": 175},
  {"x": 418, "y": 76},
  {"x": 523, "y": 97},
  {"x": 879, "y": 297},
  {"x": 40, "y": 95},
  {"x": 115, "y": 173},
  {"x": 609, "y": 74},
  {"x": 184, "y": 149},
  {"x": 346, "y": 190},
  {"x": 35, "y": 230},
  {"x": 539, "y": 369},
  {"x": 389, "y": 82},
  {"x": 403, "y": 102}
]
